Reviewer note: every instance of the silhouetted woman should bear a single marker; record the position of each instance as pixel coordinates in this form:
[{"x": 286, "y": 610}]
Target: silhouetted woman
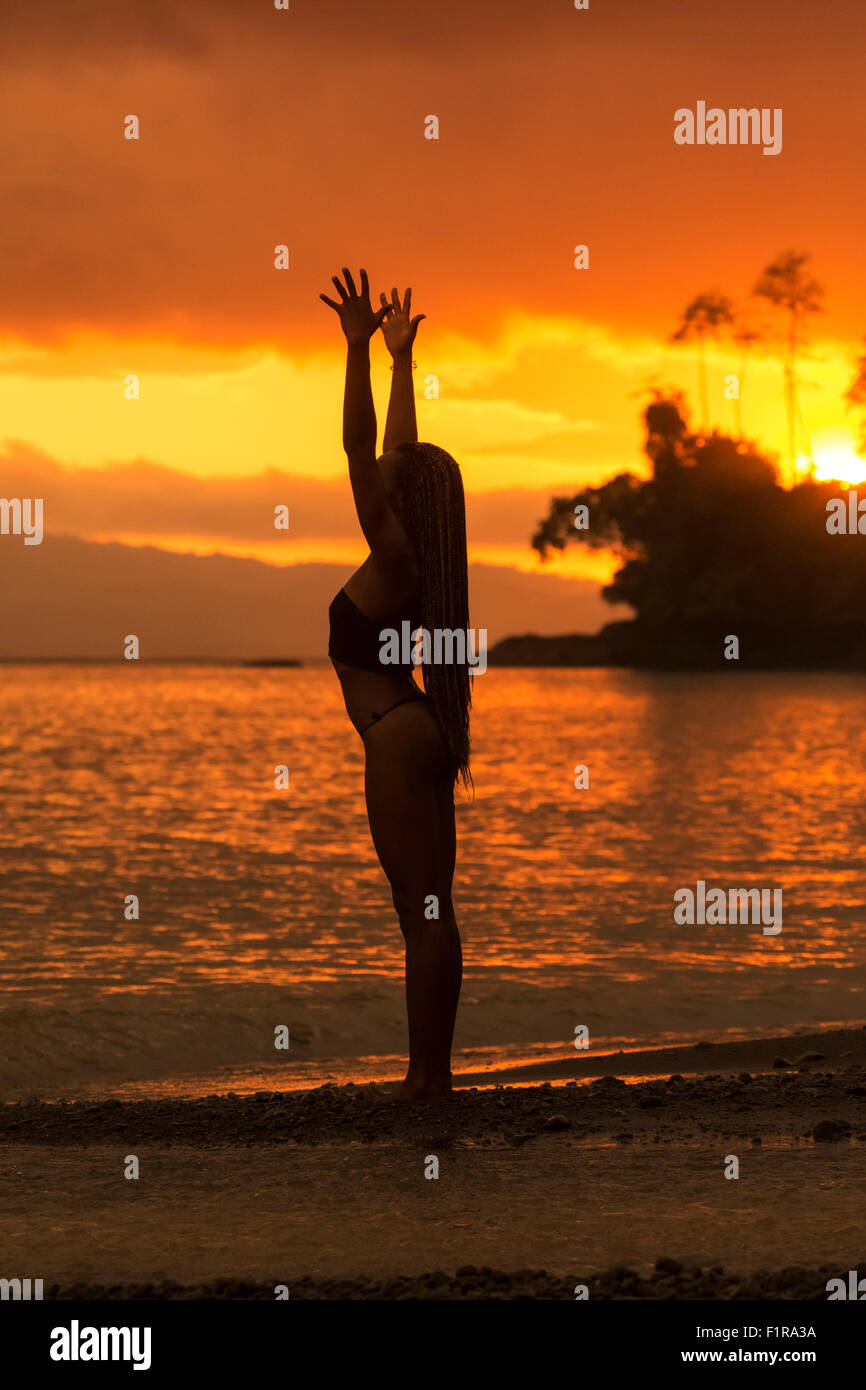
[{"x": 410, "y": 506}]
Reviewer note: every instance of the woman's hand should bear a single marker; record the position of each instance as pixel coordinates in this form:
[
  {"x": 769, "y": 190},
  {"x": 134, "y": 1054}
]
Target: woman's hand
[
  {"x": 358, "y": 319},
  {"x": 398, "y": 329}
]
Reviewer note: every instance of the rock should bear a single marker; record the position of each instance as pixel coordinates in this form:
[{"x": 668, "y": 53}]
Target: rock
[
  {"x": 522, "y": 1137},
  {"x": 703, "y": 1044},
  {"x": 781, "y": 1062},
  {"x": 809, "y": 1057},
  {"x": 649, "y": 1102},
  {"x": 557, "y": 1122},
  {"x": 745, "y": 1077},
  {"x": 831, "y": 1131},
  {"x": 668, "y": 1266}
]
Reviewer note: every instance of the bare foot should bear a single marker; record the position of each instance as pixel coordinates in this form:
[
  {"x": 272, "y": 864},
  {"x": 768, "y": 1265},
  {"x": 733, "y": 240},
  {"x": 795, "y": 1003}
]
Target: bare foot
[
  {"x": 412, "y": 1090},
  {"x": 409, "y": 1090},
  {"x": 378, "y": 1095}
]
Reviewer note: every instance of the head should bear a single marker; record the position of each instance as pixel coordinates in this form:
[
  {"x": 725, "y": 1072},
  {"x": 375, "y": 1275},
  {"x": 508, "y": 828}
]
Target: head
[{"x": 425, "y": 489}]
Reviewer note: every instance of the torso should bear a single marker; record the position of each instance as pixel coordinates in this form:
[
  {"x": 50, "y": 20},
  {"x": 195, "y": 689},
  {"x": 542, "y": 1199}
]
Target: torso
[{"x": 369, "y": 692}]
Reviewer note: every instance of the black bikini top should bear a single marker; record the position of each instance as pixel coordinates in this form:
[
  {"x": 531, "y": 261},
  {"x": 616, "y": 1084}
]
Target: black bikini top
[{"x": 355, "y": 639}]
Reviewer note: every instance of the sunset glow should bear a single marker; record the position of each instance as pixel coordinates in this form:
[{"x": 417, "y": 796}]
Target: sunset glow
[
  {"x": 532, "y": 373},
  {"x": 835, "y": 458}
]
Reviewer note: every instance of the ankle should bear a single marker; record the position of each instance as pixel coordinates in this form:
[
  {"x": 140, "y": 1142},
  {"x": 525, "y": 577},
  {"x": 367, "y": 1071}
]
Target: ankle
[{"x": 427, "y": 1083}]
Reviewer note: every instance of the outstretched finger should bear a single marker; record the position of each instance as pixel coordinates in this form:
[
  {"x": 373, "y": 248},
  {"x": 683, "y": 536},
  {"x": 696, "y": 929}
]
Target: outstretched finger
[
  {"x": 342, "y": 293},
  {"x": 384, "y": 301},
  {"x": 395, "y": 298},
  {"x": 417, "y": 319},
  {"x": 347, "y": 276},
  {"x": 407, "y": 301},
  {"x": 333, "y": 303},
  {"x": 365, "y": 284}
]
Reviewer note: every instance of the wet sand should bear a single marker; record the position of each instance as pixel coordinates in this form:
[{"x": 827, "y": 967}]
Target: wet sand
[{"x": 540, "y": 1187}]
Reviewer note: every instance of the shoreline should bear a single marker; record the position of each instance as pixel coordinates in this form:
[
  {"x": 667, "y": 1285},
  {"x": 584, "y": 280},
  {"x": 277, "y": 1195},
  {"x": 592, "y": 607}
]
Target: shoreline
[
  {"x": 328, "y": 1193},
  {"x": 839, "y": 1046},
  {"x": 732, "y": 1090}
]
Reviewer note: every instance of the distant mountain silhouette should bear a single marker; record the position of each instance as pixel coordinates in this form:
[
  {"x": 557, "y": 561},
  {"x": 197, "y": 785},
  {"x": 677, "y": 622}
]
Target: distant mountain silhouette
[{"x": 78, "y": 599}]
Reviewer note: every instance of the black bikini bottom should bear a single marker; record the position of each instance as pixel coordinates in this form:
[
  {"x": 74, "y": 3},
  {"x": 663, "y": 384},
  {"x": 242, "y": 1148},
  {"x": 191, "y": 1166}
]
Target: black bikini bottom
[{"x": 419, "y": 695}]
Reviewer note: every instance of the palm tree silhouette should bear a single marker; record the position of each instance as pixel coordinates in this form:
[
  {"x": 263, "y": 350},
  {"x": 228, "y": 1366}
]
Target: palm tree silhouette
[
  {"x": 745, "y": 337},
  {"x": 787, "y": 285},
  {"x": 703, "y": 318},
  {"x": 855, "y": 398}
]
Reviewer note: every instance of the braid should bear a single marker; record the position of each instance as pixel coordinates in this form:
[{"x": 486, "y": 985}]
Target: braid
[{"x": 433, "y": 512}]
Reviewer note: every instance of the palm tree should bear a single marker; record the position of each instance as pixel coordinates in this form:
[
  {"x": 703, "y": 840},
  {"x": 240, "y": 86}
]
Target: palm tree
[
  {"x": 745, "y": 337},
  {"x": 703, "y": 318},
  {"x": 786, "y": 284},
  {"x": 856, "y": 398}
]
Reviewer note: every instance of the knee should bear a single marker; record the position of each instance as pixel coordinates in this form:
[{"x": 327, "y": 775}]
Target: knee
[
  {"x": 416, "y": 906},
  {"x": 408, "y": 903}
]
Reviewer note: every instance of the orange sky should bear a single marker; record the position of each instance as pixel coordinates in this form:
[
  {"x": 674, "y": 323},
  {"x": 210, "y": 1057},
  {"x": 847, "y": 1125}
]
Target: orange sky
[{"x": 260, "y": 127}]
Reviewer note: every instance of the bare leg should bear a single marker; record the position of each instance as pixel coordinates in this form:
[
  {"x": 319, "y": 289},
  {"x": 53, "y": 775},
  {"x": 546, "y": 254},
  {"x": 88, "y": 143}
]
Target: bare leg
[{"x": 410, "y": 805}]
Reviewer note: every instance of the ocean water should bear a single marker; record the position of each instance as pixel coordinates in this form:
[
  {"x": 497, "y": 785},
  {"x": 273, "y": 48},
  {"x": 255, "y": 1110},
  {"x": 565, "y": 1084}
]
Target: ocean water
[{"x": 260, "y": 908}]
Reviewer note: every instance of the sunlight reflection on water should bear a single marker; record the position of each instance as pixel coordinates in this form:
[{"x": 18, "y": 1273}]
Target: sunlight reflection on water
[{"x": 158, "y": 781}]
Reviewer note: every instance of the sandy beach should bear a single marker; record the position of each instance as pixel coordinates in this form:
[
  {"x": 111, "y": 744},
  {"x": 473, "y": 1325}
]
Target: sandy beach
[{"x": 586, "y": 1176}]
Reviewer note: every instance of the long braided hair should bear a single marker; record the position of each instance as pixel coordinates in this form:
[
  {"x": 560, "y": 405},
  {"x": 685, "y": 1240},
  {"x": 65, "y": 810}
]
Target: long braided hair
[{"x": 433, "y": 513}]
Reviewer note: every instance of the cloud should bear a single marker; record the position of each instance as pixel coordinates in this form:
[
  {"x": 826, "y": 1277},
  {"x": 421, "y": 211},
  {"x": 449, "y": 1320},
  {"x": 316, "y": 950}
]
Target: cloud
[
  {"x": 147, "y": 499},
  {"x": 305, "y": 127}
]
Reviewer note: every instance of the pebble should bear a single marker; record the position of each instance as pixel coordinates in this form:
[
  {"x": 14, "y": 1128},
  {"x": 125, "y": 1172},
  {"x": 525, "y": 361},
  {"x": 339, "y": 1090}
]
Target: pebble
[
  {"x": 831, "y": 1131},
  {"x": 670, "y": 1279}
]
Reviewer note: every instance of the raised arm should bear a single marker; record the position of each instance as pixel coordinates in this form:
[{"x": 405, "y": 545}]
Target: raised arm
[
  {"x": 359, "y": 322},
  {"x": 399, "y": 334}
]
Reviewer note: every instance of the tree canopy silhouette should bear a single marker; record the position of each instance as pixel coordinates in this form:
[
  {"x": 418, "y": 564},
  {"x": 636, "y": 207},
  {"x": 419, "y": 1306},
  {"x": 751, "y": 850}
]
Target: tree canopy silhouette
[{"x": 711, "y": 544}]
